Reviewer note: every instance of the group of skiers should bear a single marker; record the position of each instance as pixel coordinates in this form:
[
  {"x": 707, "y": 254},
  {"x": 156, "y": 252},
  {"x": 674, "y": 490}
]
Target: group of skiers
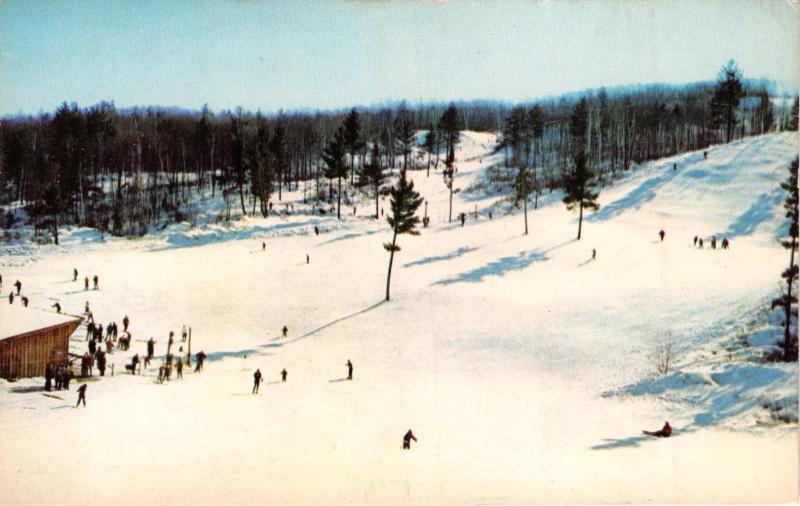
[
  {"x": 11, "y": 295},
  {"x": 258, "y": 378},
  {"x": 698, "y": 241},
  {"x": 61, "y": 375}
]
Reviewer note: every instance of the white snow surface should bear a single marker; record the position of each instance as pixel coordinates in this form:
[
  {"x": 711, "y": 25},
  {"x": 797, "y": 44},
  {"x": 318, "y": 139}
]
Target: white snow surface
[{"x": 521, "y": 365}]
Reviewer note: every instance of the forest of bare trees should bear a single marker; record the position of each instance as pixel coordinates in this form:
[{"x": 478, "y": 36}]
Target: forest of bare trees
[{"x": 127, "y": 171}]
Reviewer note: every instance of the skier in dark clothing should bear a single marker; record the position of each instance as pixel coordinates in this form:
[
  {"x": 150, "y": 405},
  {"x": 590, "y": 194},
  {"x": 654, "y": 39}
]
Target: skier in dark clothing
[
  {"x": 11, "y": 297},
  {"x": 125, "y": 323},
  {"x": 666, "y": 431},
  {"x": 263, "y": 246},
  {"x": 695, "y": 240},
  {"x": 463, "y": 217},
  {"x": 81, "y": 395},
  {"x": 284, "y": 330},
  {"x": 67, "y": 377},
  {"x": 714, "y": 242},
  {"x": 48, "y": 377},
  {"x": 256, "y": 380},
  {"x": 201, "y": 357},
  {"x": 92, "y": 347},
  {"x": 18, "y": 285},
  {"x": 86, "y": 283},
  {"x": 134, "y": 363},
  {"x": 58, "y": 307},
  {"x": 725, "y": 243},
  {"x": 150, "y": 348},
  {"x": 179, "y": 367},
  {"x": 308, "y": 260},
  {"x": 283, "y": 375},
  {"x": 24, "y": 301},
  {"x": 594, "y": 254},
  {"x": 661, "y": 234},
  {"x": 95, "y": 281},
  {"x": 316, "y": 230},
  {"x": 101, "y": 362},
  {"x": 74, "y": 274},
  {"x": 349, "y": 370},
  {"x": 407, "y": 440},
  {"x": 700, "y": 243}
]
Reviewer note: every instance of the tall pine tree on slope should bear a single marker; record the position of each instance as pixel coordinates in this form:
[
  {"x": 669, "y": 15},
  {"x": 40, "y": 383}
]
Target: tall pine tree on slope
[
  {"x": 373, "y": 172},
  {"x": 578, "y": 189},
  {"x": 789, "y": 275},
  {"x": 403, "y": 220},
  {"x": 352, "y": 139},
  {"x": 727, "y": 96}
]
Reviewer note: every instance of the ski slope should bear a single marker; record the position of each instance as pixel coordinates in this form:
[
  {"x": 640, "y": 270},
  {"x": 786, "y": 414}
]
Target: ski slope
[{"x": 520, "y": 363}]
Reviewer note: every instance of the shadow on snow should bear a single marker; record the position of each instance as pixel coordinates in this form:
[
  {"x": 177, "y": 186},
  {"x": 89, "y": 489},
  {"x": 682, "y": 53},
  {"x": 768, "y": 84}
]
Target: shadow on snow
[{"x": 498, "y": 267}]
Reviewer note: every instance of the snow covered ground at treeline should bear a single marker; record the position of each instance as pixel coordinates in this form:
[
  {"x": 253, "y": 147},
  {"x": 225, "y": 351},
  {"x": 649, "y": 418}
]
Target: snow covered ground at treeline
[{"x": 524, "y": 367}]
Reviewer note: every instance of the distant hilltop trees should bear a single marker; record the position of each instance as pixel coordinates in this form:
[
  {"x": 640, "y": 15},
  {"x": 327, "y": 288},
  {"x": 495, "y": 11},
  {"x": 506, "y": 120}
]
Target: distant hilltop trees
[{"x": 125, "y": 171}]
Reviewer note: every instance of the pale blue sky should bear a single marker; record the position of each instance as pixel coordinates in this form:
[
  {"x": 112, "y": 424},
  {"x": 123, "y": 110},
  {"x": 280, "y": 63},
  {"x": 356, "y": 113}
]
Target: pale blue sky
[{"x": 324, "y": 54}]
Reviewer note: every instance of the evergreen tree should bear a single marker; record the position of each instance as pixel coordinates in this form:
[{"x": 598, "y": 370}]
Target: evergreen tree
[
  {"x": 450, "y": 126},
  {"x": 578, "y": 189},
  {"x": 404, "y": 135},
  {"x": 790, "y": 275},
  {"x": 352, "y": 139},
  {"x": 334, "y": 158},
  {"x": 373, "y": 173},
  {"x": 277, "y": 147},
  {"x": 525, "y": 184},
  {"x": 403, "y": 220},
  {"x": 795, "y": 115},
  {"x": 727, "y": 96},
  {"x": 430, "y": 144}
]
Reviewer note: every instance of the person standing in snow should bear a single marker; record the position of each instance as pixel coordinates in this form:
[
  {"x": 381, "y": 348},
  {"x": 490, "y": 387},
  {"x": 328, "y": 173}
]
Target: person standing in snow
[
  {"x": 57, "y": 306},
  {"x": 407, "y": 440},
  {"x": 666, "y": 431},
  {"x": 714, "y": 242},
  {"x": 256, "y": 380},
  {"x": 48, "y": 377},
  {"x": 661, "y": 234},
  {"x": 151, "y": 346},
  {"x": 700, "y": 243},
  {"x": 134, "y": 363},
  {"x": 101, "y": 362},
  {"x": 725, "y": 243},
  {"x": 95, "y": 281},
  {"x": 183, "y": 334},
  {"x": 18, "y": 284},
  {"x": 695, "y": 240},
  {"x": 11, "y": 297},
  {"x": 74, "y": 274},
  {"x": 283, "y": 375},
  {"x": 201, "y": 357},
  {"x": 86, "y": 283},
  {"x": 349, "y": 369},
  {"x": 125, "y": 322},
  {"x": 594, "y": 254},
  {"x": 285, "y": 330},
  {"x": 25, "y": 301},
  {"x": 263, "y": 246},
  {"x": 178, "y": 368},
  {"x": 81, "y": 395},
  {"x": 308, "y": 259}
]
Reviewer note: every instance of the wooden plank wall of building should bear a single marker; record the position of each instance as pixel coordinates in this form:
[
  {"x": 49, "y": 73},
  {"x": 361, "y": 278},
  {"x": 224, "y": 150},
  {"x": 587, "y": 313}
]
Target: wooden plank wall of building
[{"x": 27, "y": 355}]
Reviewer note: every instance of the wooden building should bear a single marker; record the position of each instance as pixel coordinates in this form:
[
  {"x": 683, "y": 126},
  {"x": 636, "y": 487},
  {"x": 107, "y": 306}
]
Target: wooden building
[{"x": 30, "y": 339}]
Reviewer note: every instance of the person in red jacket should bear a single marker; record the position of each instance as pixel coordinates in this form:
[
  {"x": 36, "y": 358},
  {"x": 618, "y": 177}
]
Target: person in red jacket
[{"x": 665, "y": 431}]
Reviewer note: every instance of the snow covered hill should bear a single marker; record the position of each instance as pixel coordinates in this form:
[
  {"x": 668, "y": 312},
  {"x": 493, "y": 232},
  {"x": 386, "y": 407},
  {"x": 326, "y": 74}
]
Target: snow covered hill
[{"x": 522, "y": 365}]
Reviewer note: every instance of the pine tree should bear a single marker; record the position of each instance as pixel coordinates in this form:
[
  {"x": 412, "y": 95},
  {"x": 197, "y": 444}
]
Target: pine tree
[
  {"x": 403, "y": 220},
  {"x": 790, "y": 275},
  {"x": 727, "y": 96},
  {"x": 404, "y": 135},
  {"x": 525, "y": 184},
  {"x": 450, "y": 126},
  {"x": 795, "y": 113},
  {"x": 373, "y": 172},
  {"x": 430, "y": 144},
  {"x": 352, "y": 139},
  {"x": 334, "y": 157},
  {"x": 578, "y": 189}
]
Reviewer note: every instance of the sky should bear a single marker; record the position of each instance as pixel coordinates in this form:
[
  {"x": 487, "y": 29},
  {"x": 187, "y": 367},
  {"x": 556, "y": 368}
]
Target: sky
[{"x": 297, "y": 54}]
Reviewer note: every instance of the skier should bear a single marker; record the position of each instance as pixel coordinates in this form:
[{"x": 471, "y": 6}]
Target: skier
[
  {"x": 700, "y": 243},
  {"x": 201, "y": 357},
  {"x": 349, "y": 370},
  {"x": 150, "y": 348},
  {"x": 695, "y": 240},
  {"x": 725, "y": 243},
  {"x": 594, "y": 253},
  {"x": 92, "y": 346},
  {"x": 134, "y": 364},
  {"x": 179, "y": 367},
  {"x": 86, "y": 283},
  {"x": 256, "y": 380},
  {"x": 285, "y": 330},
  {"x": 24, "y": 301},
  {"x": 665, "y": 431},
  {"x": 95, "y": 281},
  {"x": 407, "y": 440},
  {"x": 463, "y": 217},
  {"x": 714, "y": 242},
  {"x": 283, "y": 375},
  {"x": 316, "y": 230},
  {"x": 81, "y": 395},
  {"x": 308, "y": 260},
  {"x": 661, "y": 234},
  {"x": 705, "y": 155},
  {"x": 263, "y": 246},
  {"x": 11, "y": 297},
  {"x": 68, "y": 375},
  {"x": 18, "y": 284},
  {"x": 101, "y": 362},
  {"x": 48, "y": 377},
  {"x": 161, "y": 374},
  {"x": 74, "y": 274},
  {"x": 125, "y": 322},
  {"x": 183, "y": 334}
]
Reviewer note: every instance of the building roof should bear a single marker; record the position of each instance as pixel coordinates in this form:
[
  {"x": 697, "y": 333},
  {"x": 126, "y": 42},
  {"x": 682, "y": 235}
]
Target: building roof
[{"x": 15, "y": 320}]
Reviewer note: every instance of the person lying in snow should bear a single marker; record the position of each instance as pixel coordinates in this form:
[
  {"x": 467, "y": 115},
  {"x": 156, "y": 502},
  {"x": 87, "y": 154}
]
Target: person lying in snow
[{"x": 665, "y": 431}]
